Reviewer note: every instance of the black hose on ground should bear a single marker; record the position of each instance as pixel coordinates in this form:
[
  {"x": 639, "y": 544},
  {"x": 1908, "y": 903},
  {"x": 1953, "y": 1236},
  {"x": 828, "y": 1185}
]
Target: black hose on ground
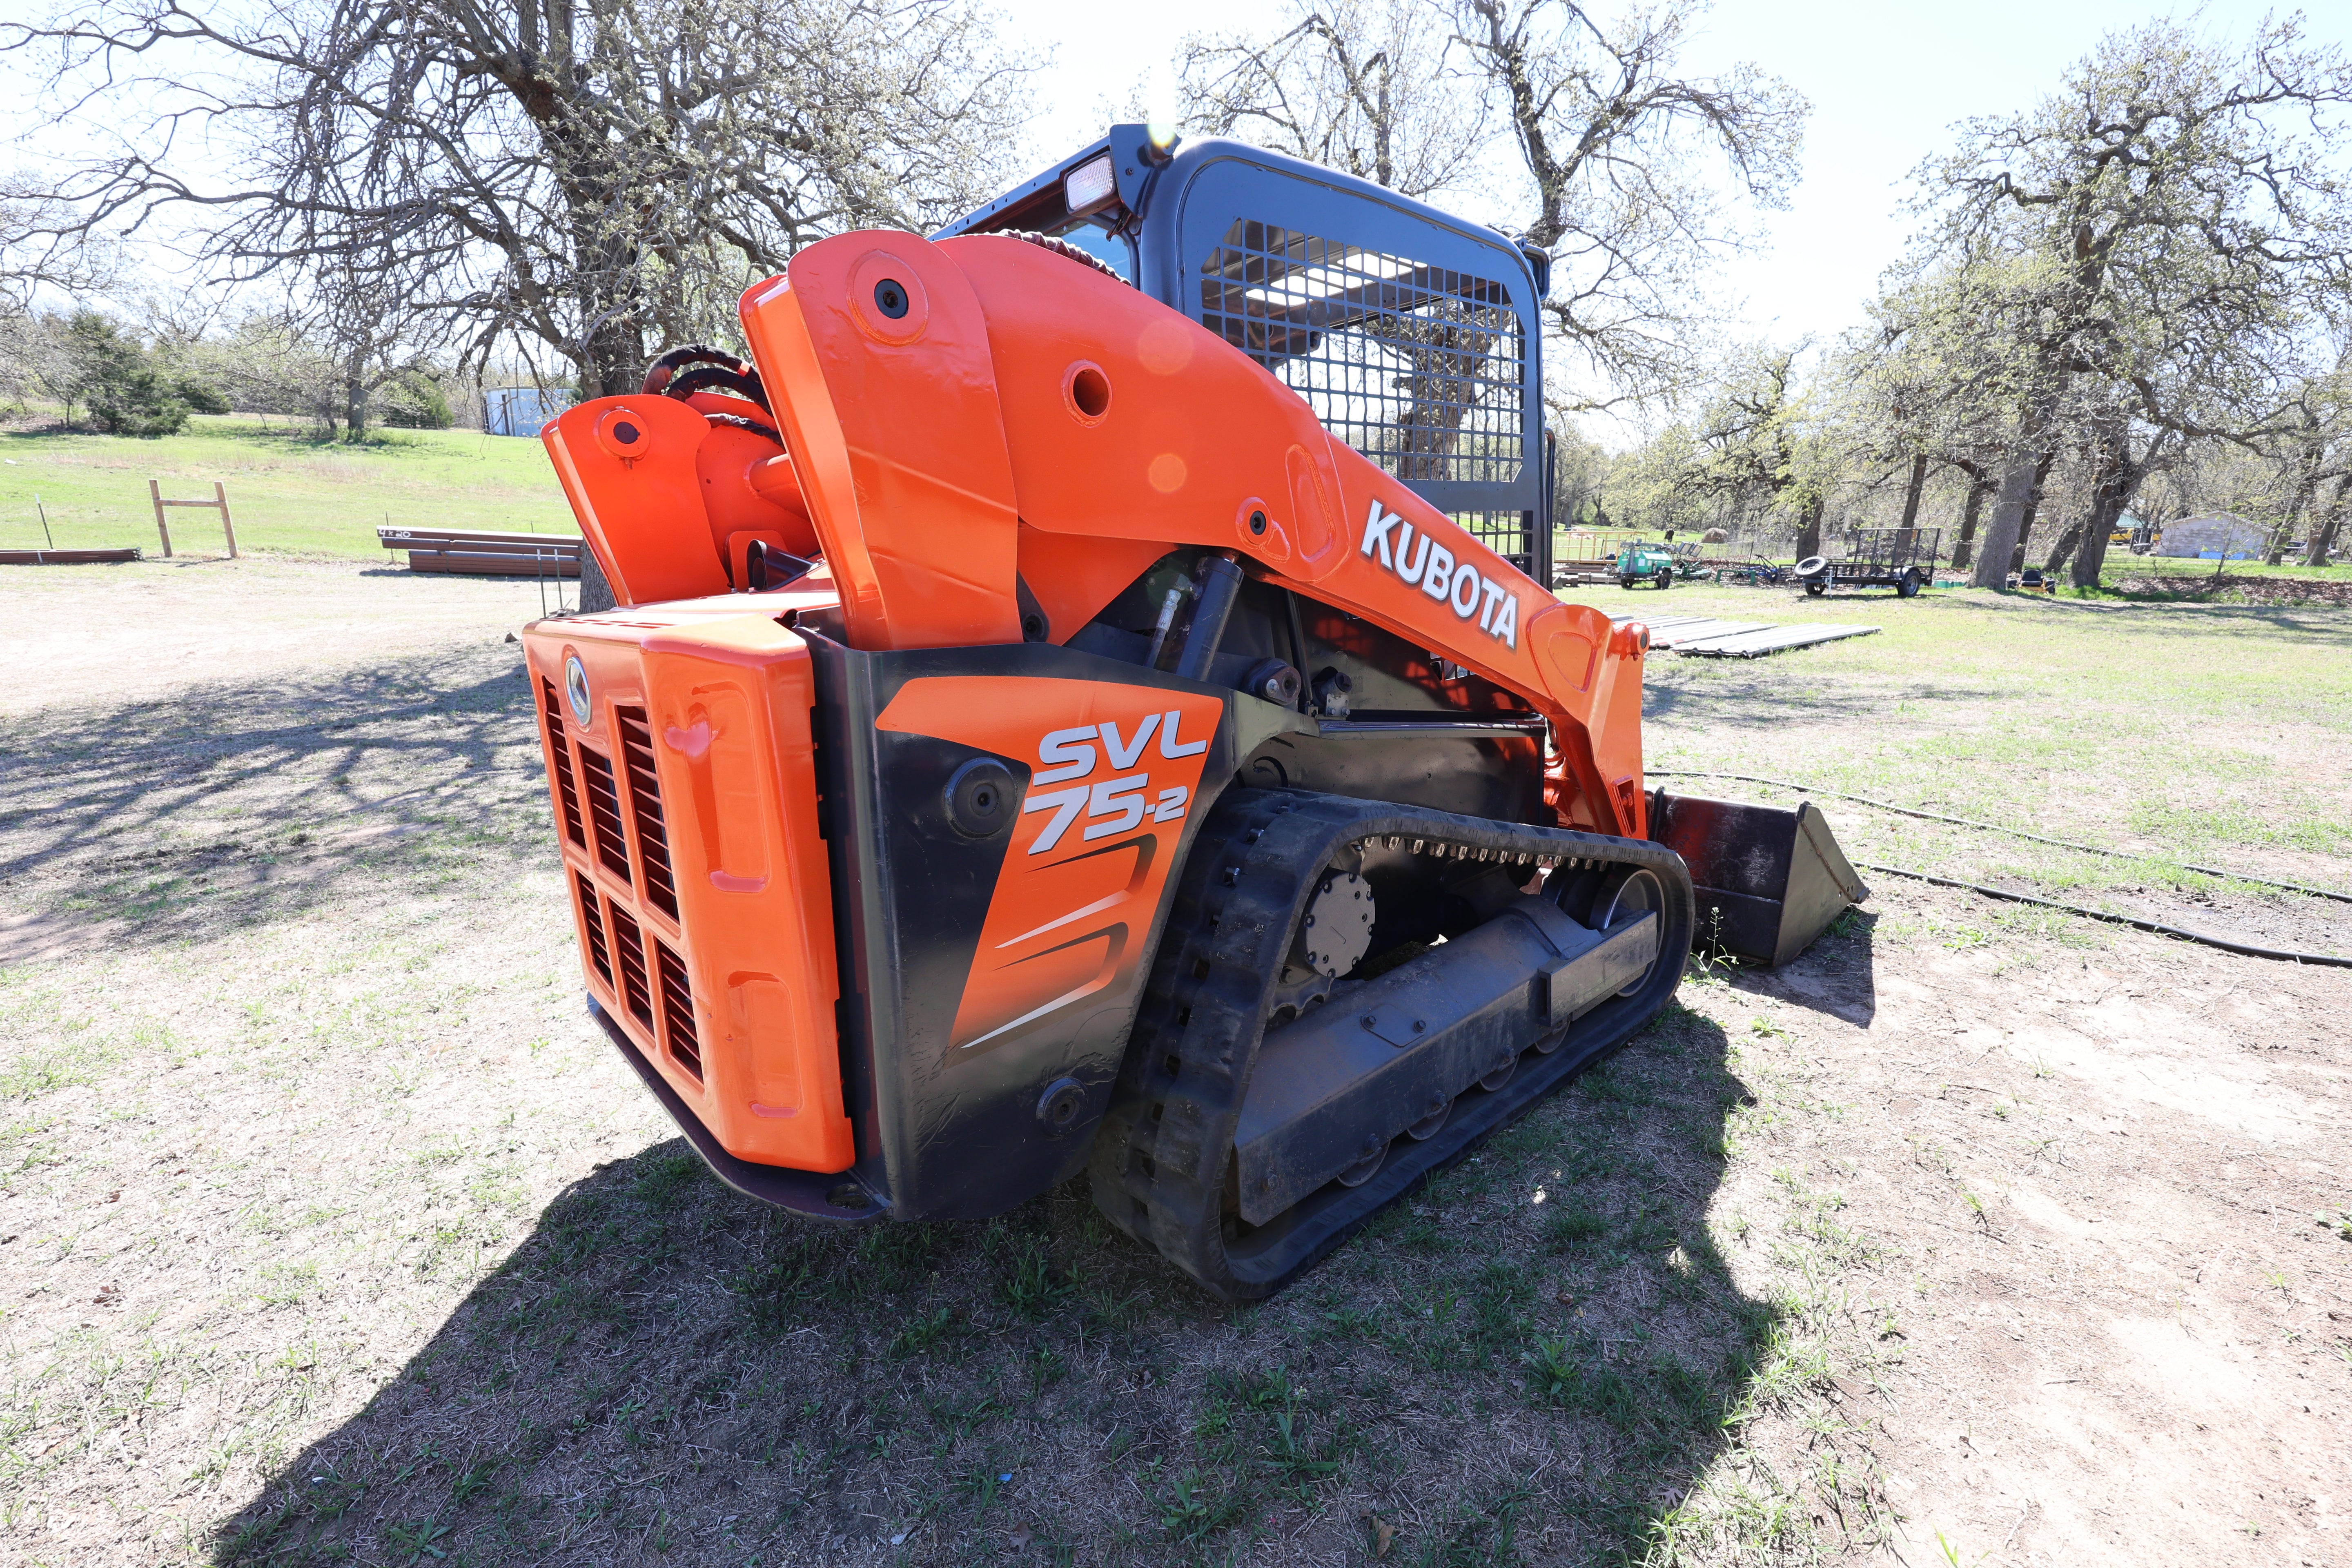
[
  {"x": 2012, "y": 832},
  {"x": 2227, "y": 944}
]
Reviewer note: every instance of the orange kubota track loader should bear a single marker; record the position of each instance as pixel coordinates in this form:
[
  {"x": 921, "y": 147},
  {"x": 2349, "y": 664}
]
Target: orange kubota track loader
[{"x": 1025, "y": 740}]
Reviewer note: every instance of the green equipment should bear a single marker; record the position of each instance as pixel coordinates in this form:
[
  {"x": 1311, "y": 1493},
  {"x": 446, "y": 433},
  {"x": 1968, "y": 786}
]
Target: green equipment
[{"x": 1646, "y": 560}]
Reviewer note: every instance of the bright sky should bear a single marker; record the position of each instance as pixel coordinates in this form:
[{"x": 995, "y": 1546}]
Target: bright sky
[{"x": 1885, "y": 82}]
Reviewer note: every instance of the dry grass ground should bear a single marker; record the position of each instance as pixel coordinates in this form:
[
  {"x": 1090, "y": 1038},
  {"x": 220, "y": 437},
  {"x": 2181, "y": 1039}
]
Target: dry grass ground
[{"x": 330, "y": 1231}]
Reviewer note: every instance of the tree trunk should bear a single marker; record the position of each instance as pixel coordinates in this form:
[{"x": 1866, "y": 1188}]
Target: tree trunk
[
  {"x": 615, "y": 362},
  {"x": 2032, "y": 510},
  {"x": 1808, "y": 532},
  {"x": 2274, "y": 548},
  {"x": 2307, "y": 490},
  {"x": 2322, "y": 533},
  {"x": 1908, "y": 538},
  {"x": 356, "y": 399},
  {"x": 2010, "y": 509},
  {"x": 2112, "y": 495},
  {"x": 611, "y": 350},
  {"x": 1978, "y": 487},
  {"x": 2059, "y": 552}
]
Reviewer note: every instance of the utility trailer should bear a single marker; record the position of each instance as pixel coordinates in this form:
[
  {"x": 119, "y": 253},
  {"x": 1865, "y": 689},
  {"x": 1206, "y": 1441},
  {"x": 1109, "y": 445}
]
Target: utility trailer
[
  {"x": 1081, "y": 697},
  {"x": 1902, "y": 559}
]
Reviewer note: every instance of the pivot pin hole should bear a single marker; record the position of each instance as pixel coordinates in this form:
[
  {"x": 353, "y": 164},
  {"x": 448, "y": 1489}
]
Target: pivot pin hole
[
  {"x": 1090, "y": 392},
  {"x": 890, "y": 297}
]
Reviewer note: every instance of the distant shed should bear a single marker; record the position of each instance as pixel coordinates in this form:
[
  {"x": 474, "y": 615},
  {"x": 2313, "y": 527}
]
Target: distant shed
[
  {"x": 2210, "y": 536},
  {"x": 523, "y": 410}
]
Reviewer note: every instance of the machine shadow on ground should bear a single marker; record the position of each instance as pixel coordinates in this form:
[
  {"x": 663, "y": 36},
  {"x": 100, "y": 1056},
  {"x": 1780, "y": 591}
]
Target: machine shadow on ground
[
  {"x": 1838, "y": 978},
  {"x": 1532, "y": 1358},
  {"x": 227, "y": 806}
]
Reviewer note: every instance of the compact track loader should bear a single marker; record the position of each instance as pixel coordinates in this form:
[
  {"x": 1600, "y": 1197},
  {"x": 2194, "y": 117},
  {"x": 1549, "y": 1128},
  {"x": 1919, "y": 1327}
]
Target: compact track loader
[{"x": 1081, "y": 697}]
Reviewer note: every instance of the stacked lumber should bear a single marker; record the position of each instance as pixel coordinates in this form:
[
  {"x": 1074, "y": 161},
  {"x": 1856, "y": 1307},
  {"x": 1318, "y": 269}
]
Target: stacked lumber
[
  {"x": 484, "y": 553},
  {"x": 65, "y": 557}
]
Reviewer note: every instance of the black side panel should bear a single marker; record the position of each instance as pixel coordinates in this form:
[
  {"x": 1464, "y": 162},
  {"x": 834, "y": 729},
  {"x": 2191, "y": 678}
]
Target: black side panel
[
  {"x": 1495, "y": 776},
  {"x": 944, "y": 1132}
]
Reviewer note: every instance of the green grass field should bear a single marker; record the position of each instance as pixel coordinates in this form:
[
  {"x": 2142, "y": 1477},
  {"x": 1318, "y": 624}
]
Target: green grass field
[
  {"x": 290, "y": 491},
  {"x": 2067, "y": 716}
]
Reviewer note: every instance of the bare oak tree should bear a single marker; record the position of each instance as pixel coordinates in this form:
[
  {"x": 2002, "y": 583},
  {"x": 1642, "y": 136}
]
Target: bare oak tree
[
  {"x": 2172, "y": 195},
  {"x": 586, "y": 174},
  {"x": 1613, "y": 160},
  {"x": 1362, "y": 86},
  {"x": 1617, "y": 147}
]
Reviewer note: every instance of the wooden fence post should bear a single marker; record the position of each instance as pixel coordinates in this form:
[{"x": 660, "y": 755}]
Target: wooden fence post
[
  {"x": 155, "y": 494},
  {"x": 220, "y": 497}
]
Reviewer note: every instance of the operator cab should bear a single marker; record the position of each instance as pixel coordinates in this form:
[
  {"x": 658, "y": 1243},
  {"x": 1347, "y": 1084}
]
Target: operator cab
[{"x": 1413, "y": 334}]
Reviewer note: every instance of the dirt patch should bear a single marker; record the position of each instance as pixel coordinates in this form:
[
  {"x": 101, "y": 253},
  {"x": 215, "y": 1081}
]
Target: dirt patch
[
  {"x": 104, "y": 634},
  {"x": 334, "y": 1231},
  {"x": 2242, "y": 589}
]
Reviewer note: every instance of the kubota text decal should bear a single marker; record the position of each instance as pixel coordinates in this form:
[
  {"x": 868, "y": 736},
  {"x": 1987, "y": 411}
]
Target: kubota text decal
[
  {"x": 1421, "y": 561},
  {"x": 1113, "y": 771}
]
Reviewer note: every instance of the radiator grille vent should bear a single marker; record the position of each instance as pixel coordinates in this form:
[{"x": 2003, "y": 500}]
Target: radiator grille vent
[
  {"x": 598, "y": 955},
  {"x": 677, "y": 1010},
  {"x": 559, "y": 763},
  {"x": 605, "y": 810},
  {"x": 636, "y": 994},
  {"x": 646, "y": 805}
]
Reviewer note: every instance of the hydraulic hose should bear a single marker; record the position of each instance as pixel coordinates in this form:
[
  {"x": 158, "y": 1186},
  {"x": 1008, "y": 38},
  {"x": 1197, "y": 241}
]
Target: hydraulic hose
[
  {"x": 2012, "y": 832},
  {"x": 2227, "y": 944}
]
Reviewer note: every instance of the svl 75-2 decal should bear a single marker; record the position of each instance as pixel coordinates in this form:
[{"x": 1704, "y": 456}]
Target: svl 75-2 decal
[
  {"x": 1113, "y": 805},
  {"x": 1114, "y": 770}
]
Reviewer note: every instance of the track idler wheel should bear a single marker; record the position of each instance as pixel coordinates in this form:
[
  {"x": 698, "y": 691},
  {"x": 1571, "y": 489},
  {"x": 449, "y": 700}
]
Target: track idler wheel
[
  {"x": 1375, "y": 1155},
  {"x": 1626, "y": 894},
  {"x": 1422, "y": 1131}
]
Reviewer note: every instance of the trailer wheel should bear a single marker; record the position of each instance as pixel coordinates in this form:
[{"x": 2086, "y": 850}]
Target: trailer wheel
[
  {"x": 1908, "y": 587},
  {"x": 1814, "y": 590},
  {"x": 1627, "y": 583},
  {"x": 1665, "y": 577}
]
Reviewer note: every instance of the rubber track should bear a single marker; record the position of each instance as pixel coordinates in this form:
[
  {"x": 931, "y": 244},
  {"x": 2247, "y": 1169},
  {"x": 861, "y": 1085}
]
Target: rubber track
[{"x": 1160, "y": 1159}]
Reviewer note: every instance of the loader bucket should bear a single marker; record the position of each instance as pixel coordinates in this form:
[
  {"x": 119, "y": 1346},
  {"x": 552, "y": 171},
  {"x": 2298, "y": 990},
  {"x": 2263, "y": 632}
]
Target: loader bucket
[{"x": 1769, "y": 881}]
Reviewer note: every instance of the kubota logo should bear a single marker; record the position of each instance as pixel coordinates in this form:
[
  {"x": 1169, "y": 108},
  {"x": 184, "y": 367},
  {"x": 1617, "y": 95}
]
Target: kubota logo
[
  {"x": 1112, "y": 805},
  {"x": 1433, "y": 569}
]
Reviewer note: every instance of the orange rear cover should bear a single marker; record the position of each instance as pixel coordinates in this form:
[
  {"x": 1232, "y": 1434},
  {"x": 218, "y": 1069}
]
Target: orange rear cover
[{"x": 698, "y": 728}]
